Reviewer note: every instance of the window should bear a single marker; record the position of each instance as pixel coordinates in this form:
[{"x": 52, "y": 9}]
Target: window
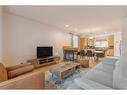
[
  {"x": 102, "y": 44},
  {"x": 75, "y": 41}
]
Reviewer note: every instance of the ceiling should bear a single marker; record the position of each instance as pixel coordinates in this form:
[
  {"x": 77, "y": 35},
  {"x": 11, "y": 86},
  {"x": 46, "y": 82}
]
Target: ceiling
[{"x": 82, "y": 20}]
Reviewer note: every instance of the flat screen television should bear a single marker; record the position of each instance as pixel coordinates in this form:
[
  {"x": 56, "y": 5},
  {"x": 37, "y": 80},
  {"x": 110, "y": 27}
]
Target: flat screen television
[{"x": 43, "y": 52}]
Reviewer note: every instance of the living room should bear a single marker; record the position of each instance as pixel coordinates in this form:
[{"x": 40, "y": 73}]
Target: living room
[
  {"x": 57, "y": 37},
  {"x": 26, "y": 28}
]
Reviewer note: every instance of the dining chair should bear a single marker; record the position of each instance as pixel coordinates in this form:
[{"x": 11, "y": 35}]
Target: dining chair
[
  {"x": 82, "y": 54},
  {"x": 90, "y": 54}
]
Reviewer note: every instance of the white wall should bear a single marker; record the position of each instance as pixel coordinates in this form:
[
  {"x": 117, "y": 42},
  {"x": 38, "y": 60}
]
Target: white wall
[
  {"x": 117, "y": 44},
  {"x": 22, "y": 36},
  {"x": 124, "y": 49},
  {"x": 1, "y": 34},
  {"x": 124, "y": 35}
]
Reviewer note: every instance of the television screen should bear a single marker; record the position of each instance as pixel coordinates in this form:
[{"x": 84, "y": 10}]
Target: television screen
[{"x": 43, "y": 52}]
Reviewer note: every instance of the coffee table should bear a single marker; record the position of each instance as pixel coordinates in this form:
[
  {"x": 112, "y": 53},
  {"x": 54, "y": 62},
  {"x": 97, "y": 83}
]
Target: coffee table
[
  {"x": 64, "y": 70},
  {"x": 49, "y": 84}
]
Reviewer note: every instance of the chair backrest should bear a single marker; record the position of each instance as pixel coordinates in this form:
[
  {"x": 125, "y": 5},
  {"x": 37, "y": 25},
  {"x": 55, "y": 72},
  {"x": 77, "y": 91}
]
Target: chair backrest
[
  {"x": 82, "y": 53},
  {"x": 89, "y": 53}
]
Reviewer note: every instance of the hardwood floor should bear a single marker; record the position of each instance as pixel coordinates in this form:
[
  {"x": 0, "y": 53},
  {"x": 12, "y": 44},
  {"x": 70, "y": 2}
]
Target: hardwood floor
[{"x": 46, "y": 68}]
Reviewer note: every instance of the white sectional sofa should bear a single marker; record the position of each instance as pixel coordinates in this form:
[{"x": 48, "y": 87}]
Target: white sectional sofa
[{"x": 101, "y": 77}]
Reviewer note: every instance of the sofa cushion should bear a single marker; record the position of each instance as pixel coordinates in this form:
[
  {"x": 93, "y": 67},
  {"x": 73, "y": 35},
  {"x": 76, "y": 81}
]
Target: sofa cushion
[
  {"x": 101, "y": 77},
  {"x": 110, "y": 61},
  {"x": 3, "y": 73},
  {"x": 105, "y": 67},
  {"x": 32, "y": 80},
  {"x": 19, "y": 71},
  {"x": 84, "y": 83},
  {"x": 17, "y": 66}
]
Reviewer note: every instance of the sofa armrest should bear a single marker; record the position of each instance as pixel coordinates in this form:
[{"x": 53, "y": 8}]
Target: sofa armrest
[{"x": 32, "y": 80}]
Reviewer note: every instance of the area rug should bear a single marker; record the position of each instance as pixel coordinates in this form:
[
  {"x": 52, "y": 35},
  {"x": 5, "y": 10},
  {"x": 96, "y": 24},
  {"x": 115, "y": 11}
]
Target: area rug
[{"x": 68, "y": 81}]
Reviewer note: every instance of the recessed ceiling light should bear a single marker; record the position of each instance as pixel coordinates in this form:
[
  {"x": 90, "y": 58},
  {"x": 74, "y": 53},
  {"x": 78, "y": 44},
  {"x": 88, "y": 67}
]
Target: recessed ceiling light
[{"x": 66, "y": 25}]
